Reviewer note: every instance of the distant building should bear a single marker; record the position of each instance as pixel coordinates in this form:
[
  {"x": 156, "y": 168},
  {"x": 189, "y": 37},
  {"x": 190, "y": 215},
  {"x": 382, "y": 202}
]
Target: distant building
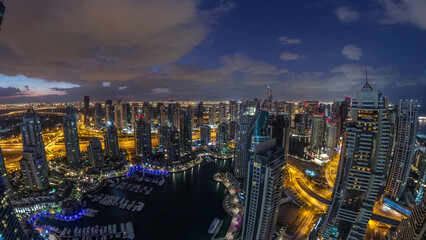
[
  {"x": 72, "y": 146},
  {"x": 280, "y": 130},
  {"x": 86, "y": 110},
  {"x": 233, "y": 111},
  {"x": 264, "y": 184},
  {"x": 143, "y": 144},
  {"x": 362, "y": 168},
  {"x": 98, "y": 115},
  {"x": 10, "y": 228},
  {"x": 185, "y": 131},
  {"x": 109, "y": 112},
  {"x": 222, "y": 113},
  {"x": 317, "y": 131},
  {"x": 205, "y": 135},
  {"x": 112, "y": 150},
  {"x": 212, "y": 117},
  {"x": 173, "y": 151},
  {"x": 222, "y": 136},
  {"x": 331, "y": 139},
  {"x": 242, "y": 146},
  {"x": 3, "y": 172},
  {"x": 200, "y": 114},
  {"x": 403, "y": 154},
  {"x": 94, "y": 150},
  {"x": 33, "y": 163}
]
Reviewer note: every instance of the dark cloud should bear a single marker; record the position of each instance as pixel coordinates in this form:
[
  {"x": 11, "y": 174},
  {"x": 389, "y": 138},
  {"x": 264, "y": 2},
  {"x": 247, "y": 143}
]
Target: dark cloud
[{"x": 9, "y": 92}]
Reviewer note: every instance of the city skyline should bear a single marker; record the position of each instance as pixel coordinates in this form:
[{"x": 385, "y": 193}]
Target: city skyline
[{"x": 224, "y": 50}]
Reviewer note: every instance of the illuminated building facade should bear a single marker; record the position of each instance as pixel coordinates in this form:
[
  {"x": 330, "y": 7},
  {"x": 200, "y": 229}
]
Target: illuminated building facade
[
  {"x": 265, "y": 177},
  {"x": 205, "y": 134},
  {"x": 111, "y": 142},
  {"x": 414, "y": 227},
  {"x": 406, "y": 131},
  {"x": 72, "y": 146},
  {"x": 3, "y": 172},
  {"x": 317, "y": 136},
  {"x": 362, "y": 167},
  {"x": 94, "y": 150},
  {"x": 143, "y": 144}
]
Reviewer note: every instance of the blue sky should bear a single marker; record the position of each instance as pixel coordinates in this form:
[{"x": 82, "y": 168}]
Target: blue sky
[{"x": 211, "y": 50}]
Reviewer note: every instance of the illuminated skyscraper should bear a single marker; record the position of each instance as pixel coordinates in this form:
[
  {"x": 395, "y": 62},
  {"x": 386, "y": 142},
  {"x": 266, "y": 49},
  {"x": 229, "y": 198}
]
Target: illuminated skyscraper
[
  {"x": 233, "y": 111},
  {"x": 94, "y": 150},
  {"x": 269, "y": 95},
  {"x": 173, "y": 151},
  {"x": 33, "y": 163},
  {"x": 222, "y": 136},
  {"x": 264, "y": 185},
  {"x": 406, "y": 131},
  {"x": 200, "y": 114},
  {"x": 280, "y": 130},
  {"x": 10, "y": 228},
  {"x": 143, "y": 145},
  {"x": 205, "y": 134},
  {"x": 185, "y": 131},
  {"x": 331, "y": 140},
  {"x": 212, "y": 117},
  {"x": 414, "y": 227},
  {"x": 317, "y": 131},
  {"x": 98, "y": 115},
  {"x": 362, "y": 167},
  {"x": 222, "y": 112},
  {"x": 3, "y": 172},
  {"x": 109, "y": 112},
  {"x": 111, "y": 142},
  {"x": 72, "y": 146}
]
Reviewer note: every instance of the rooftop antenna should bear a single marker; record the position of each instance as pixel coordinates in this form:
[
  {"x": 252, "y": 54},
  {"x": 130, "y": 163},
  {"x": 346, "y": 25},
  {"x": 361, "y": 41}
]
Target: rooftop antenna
[{"x": 366, "y": 78}]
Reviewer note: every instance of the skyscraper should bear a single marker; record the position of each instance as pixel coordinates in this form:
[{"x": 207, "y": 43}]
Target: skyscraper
[
  {"x": 200, "y": 114},
  {"x": 212, "y": 117},
  {"x": 94, "y": 150},
  {"x": 406, "y": 131},
  {"x": 259, "y": 128},
  {"x": 414, "y": 227},
  {"x": 242, "y": 147},
  {"x": 143, "y": 144},
  {"x": 265, "y": 177},
  {"x": 222, "y": 112},
  {"x": 317, "y": 131},
  {"x": 280, "y": 130},
  {"x": 3, "y": 172},
  {"x": 362, "y": 167},
  {"x": 331, "y": 140},
  {"x": 173, "y": 151},
  {"x": 111, "y": 142},
  {"x": 233, "y": 111},
  {"x": 222, "y": 136},
  {"x": 10, "y": 228},
  {"x": 109, "y": 112},
  {"x": 33, "y": 163},
  {"x": 205, "y": 134},
  {"x": 269, "y": 95},
  {"x": 86, "y": 110},
  {"x": 72, "y": 146},
  {"x": 185, "y": 131},
  {"x": 98, "y": 115}
]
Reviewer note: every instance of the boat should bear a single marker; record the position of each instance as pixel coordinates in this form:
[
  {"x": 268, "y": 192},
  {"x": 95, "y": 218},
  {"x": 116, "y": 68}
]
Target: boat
[
  {"x": 161, "y": 182},
  {"x": 129, "y": 230},
  {"x": 215, "y": 226}
]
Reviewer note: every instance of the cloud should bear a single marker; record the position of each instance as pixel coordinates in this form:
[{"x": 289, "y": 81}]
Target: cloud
[
  {"x": 9, "y": 92},
  {"x": 346, "y": 14},
  {"x": 287, "y": 40},
  {"x": 160, "y": 91},
  {"x": 83, "y": 41},
  {"x": 288, "y": 56},
  {"x": 404, "y": 12},
  {"x": 352, "y": 52}
]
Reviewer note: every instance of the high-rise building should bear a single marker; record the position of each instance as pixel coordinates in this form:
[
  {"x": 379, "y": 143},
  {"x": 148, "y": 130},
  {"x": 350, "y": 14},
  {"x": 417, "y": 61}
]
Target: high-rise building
[
  {"x": 185, "y": 131},
  {"x": 162, "y": 138},
  {"x": 331, "y": 139},
  {"x": 109, "y": 112},
  {"x": 10, "y": 228},
  {"x": 33, "y": 171},
  {"x": 135, "y": 114},
  {"x": 86, "y": 110},
  {"x": 259, "y": 128},
  {"x": 200, "y": 114},
  {"x": 72, "y": 146},
  {"x": 98, "y": 115},
  {"x": 143, "y": 144},
  {"x": 94, "y": 150},
  {"x": 112, "y": 150},
  {"x": 362, "y": 168},
  {"x": 317, "y": 131},
  {"x": 280, "y": 130},
  {"x": 242, "y": 148},
  {"x": 33, "y": 163},
  {"x": 205, "y": 134},
  {"x": 222, "y": 112},
  {"x": 406, "y": 131},
  {"x": 3, "y": 172},
  {"x": 414, "y": 227},
  {"x": 163, "y": 120},
  {"x": 269, "y": 95},
  {"x": 233, "y": 111},
  {"x": 265, "y": 177},
  {"x": 420, "y": 164},
  {"x": 222, "y": 136},
  {"x": 173, "y": 151},
  {"x": 212, "y": 115},
  {"x": 120, "y": 115}
]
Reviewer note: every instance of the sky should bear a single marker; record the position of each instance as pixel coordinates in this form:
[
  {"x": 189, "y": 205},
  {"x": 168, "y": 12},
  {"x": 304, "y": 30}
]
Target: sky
[{"x": 60, "y": 51}]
